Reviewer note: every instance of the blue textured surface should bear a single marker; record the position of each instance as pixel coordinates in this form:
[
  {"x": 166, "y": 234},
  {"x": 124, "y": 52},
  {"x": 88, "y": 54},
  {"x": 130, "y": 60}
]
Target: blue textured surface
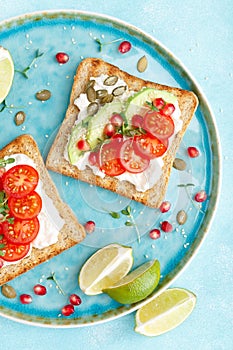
[{"x": 184, "y": 29}]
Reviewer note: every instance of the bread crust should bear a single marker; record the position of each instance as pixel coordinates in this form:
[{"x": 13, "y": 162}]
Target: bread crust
[
  {"x": 94, "y": 67},
  {"x": 72, "y": 231}
]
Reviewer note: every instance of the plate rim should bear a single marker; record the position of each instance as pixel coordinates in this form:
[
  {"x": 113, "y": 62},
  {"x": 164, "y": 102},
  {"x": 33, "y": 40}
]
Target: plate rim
[{"x": 215, "y": 183}]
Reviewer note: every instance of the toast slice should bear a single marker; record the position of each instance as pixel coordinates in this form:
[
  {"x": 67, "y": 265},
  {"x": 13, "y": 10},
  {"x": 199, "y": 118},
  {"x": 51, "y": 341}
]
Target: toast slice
[
  {"x": 56, "y": 161},
  {"x": 71, "y": 233}
]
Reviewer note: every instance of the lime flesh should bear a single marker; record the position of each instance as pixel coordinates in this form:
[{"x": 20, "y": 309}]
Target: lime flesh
[
  {"x": 6, "y": 73},
  {"x": 165, "y": 312},
  {"x": 104, "y": 268}
]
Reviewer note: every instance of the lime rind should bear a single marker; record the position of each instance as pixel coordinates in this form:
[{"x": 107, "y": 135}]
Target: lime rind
[{"x": 137, "y": 285}]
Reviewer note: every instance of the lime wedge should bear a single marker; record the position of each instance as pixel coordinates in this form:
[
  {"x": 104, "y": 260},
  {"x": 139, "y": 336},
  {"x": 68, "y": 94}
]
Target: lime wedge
[
  {"x": 137, "y": 285},
  {"x": 104, "y": 268},
  {"x": 6, "y": 73},
  {"x": 165, "y": 312}
]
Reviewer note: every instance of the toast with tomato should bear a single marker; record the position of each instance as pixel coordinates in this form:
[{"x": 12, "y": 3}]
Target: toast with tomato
[
  {"x": 121, "y": 132},
  {"x": 35, "y": 224}
]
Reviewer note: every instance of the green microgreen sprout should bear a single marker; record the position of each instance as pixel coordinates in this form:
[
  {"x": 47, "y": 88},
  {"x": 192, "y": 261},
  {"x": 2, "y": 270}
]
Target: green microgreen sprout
[
  {"x": 128, "y": 212},
  {"x": 24, "y": 72},
  {"x": 2, "y": 245},
  {"x": 4, "y": 209},
  {"x": 131, "y": 222},
  {"x": 114, "y": 214},
  {"x": 4, "y": 162},
  {"x": 54, "y": 279},
  {"x": 101, "y": 44},
  {"x": 151, "y": 106},
  {"x": 186, "y": 186}
]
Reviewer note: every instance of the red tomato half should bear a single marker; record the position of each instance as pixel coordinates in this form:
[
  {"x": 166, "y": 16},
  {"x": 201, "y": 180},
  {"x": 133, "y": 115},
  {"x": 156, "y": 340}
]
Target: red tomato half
[
  {"x": 26, "y": 207},
  {"x": 109, "y": 158},
  {"x": 21, "y": 231},
  {"x": 20, "y": 180},
  {"x": 13, "y": 252},
  {"x": 2, "y": 171},
  {"x": 130, "y": 160},
  {"x": 149, "y": 147},
  {"x": 158, "y": 125}
]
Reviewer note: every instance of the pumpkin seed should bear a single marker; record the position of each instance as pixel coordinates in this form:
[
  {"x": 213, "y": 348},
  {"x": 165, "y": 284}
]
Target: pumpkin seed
[
  {"x": 92, "y": 108},
  {"x": 179, "y": 164},
  {"x": 91, "y": 83},
  {"x": 119, "y": 90},
  {"x": 106, "y": 99},
  {"x": 8, "y": 291},
  {"x": 91, "y": 94},
  {"x": 43, "y": 95},
  {"x": 142, "y": 64},
  {"x": 101, "y": 93},
  {"x": 111, "y": 80},
  {"x": 19, "y": 118},
  {"x": 181, "y": 217}
]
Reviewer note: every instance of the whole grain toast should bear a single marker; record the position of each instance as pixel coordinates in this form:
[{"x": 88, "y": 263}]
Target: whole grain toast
[
  {"x": 72, "y": 231},
  {"x": 94, "y": 67}
]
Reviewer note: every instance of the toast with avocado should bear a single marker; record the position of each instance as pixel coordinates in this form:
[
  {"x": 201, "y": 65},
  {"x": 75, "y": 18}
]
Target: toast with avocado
[
  {"x": 43, "y": 226},
  {"x": 121, "y": 132}
]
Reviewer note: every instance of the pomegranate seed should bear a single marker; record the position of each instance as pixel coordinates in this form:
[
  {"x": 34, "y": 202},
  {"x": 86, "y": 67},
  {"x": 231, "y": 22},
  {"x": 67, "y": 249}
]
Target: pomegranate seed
[
  {"x": 165, "y": 206},
  {"x": 62, "y": 57},
  {"x": 109, "y": 130},
  {"x": 93, "y": 158},
  {"x": 168, "y": 109},
  {"x": 193, "y": 152},
  {"x": 124, "y": 47},
  {"x": 89, "y": 226},
  {"x": 200, "y": 196},
  {"x": 158, "y": 103},
  {"x": 25, "y": 298},
  {"x": 116, "y": 119},
  {"x": 118, "y": 137},
  {"x": 75, "y": 299},
  {"x": 83, "y": 145},
  {"x": 67, "y": 310},
  {"x": 39, "y": 289},
  {"x": 137, "y": 121},
  {"x": 166, "y": 226},
  {"x": 155, "y": 233}
]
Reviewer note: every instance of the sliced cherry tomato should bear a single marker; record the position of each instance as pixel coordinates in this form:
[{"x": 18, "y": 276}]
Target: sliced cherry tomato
[
  {"x": 20, "y": 180},
  {"x": 109, "y": 158},
  {"x": 149, "y": 146},
  {"x": 2, "y": 171},
  {"x": 13, "y": 252},
  {"x": 26, "y": 207},
  {"x": 130, "y": 160},
  {"x": 21, "y": 231},
  {"x": 158, "y": 125}
]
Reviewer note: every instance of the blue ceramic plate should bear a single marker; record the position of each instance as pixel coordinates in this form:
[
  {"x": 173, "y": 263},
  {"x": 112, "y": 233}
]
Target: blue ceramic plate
[{"x": 75, "y": 33}]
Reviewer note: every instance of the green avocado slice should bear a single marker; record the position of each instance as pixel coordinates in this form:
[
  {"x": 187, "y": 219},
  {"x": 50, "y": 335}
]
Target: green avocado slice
[
  {"x": 136, "y": 103},
  {"x": 99, "y": 120}
]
